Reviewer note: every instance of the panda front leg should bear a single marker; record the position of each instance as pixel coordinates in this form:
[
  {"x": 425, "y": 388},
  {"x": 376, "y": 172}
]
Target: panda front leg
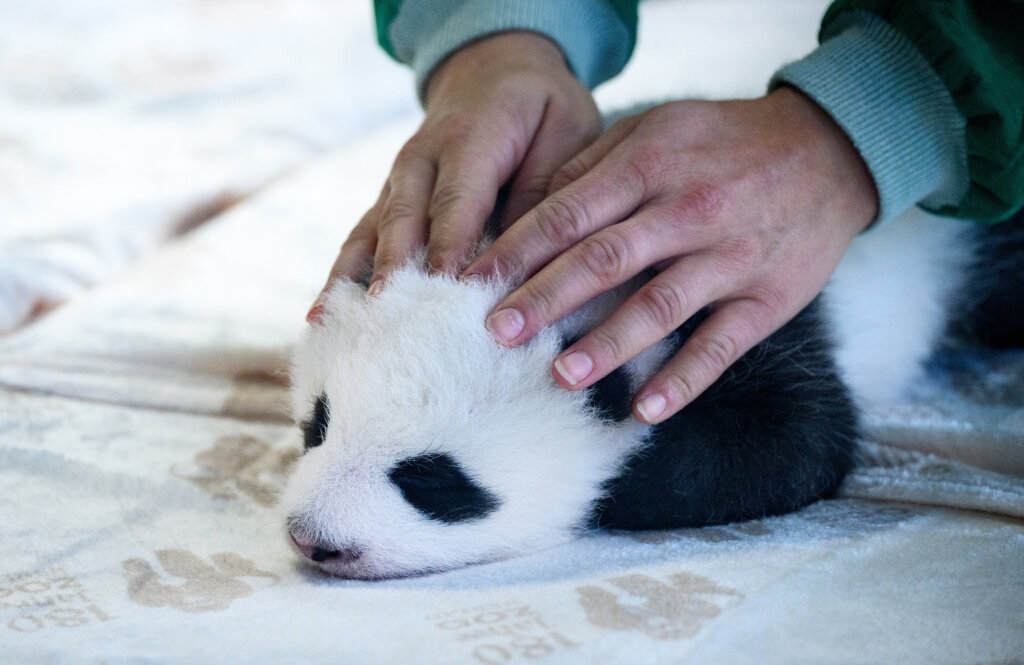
[{"x": 775, "y": 433}]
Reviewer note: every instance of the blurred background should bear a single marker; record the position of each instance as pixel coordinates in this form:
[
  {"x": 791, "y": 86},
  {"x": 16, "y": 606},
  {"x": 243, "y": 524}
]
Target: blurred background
[{"x": 126, "y": 122}]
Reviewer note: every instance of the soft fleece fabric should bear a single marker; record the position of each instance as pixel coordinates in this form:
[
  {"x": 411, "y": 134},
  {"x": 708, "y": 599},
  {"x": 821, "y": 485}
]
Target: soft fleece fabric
[{"x": 144, "y": 436}]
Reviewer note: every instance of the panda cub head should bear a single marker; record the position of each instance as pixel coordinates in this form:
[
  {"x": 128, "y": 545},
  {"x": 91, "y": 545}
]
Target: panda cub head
[{"x": 428, "y": 446}]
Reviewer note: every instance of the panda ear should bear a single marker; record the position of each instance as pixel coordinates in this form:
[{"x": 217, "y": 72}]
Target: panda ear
[
  {"x": 611, "y": 398},
  {"x": 340, "y": 292},
  {"x": 363, "y": 279}
]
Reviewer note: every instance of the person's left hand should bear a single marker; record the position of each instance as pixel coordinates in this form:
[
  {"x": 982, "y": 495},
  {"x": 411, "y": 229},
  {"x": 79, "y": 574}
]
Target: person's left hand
[{"x": 746, "y": 206}]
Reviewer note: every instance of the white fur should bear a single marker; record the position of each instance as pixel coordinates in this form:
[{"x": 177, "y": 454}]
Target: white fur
[
  {"x": 413, "y": 371},
  {"x": 887, "y": 301}
]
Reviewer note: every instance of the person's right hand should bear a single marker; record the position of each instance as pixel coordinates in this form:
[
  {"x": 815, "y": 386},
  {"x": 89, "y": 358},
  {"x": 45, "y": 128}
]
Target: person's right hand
[{"x": 502, "y": 110}]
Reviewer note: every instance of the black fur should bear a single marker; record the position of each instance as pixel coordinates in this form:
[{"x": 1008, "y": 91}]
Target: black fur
[
  {"x": 435, "y": 485},
  {"x": 775, "y": 433},
  {"x": 990, "y": 311},
  {"x": 612, "y": 397},
  {"x": 314, "y": 429}
]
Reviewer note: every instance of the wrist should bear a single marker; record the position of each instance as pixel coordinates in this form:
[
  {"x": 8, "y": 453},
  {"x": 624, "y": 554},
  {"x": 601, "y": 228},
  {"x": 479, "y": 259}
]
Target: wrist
[
  {"x": 879, "y": 88},
  {"x": 483, "y": 58},
  {"x": 854, "y": 197}
]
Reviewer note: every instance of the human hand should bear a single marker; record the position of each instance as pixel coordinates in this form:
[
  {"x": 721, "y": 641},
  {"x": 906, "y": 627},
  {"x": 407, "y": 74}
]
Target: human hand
[
  {"x": 505, "y": 109},
  {"x": 746, "y": 206}
]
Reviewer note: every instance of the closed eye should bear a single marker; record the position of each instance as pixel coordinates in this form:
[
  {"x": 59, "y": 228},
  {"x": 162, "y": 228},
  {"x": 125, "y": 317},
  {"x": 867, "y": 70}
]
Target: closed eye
[
  {"x": 314, "y": 429},
  {"x": 436, "y": 485}
]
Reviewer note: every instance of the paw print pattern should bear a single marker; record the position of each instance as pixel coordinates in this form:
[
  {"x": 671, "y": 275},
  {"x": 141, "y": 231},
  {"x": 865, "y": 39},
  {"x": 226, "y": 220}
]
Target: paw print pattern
[
  {"x": 204, "y": 588},
  {"x": 662, "y": 611},
  {"x": 241, "y": 465}
]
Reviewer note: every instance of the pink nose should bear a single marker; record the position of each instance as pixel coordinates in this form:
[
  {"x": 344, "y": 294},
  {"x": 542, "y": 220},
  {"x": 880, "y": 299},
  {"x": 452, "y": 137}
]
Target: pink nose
[{"x": 315, "y": 552}]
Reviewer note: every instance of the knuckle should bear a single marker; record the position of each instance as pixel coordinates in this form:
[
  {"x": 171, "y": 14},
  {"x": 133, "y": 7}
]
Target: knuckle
[
  {"x": 663, "y": 304},
  {"x": 410, "y": 152},
  {"x": 359, "y": 237},
  {"x": 717, "y": 352},
  {"x": 536, "y": 303},
  {"x": 771, "y": 299},
  {"x": 644, "y": 167},
  {"x": 457, "y": 126},
  {"x": 535, "y": 185},
  {"x": 678, "y": 389},
  {"x": 509, "y": 267},
  {"x": 606, "y": 256},
  {"x": 562, "y": 221},
  {"x": 569, "y": 172},
  {"x": 608, "y": 348},
  {"x": 446, "y": 197},
  {"x": 704, "y": 201},
  {"x": 446, "y": 259},
  {"x": 396, "y": 211},
  {"x": 763, "y": 314},
  {"x": 740, "y": 254},
  {"x": 386, "y": 259}
]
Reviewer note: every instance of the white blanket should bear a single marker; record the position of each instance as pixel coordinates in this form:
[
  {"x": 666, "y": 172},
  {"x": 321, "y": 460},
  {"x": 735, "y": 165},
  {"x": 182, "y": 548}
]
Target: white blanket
[{"x": 144, "y": 436}]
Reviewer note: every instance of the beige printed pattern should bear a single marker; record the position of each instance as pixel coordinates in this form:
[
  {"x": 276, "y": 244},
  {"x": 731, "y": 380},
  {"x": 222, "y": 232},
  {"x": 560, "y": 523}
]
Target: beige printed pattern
[
  {"x": 241, "y": 464},
  {"x": 495, "y": 633},
  {"x": 47, "y": 599},
  {"x": 663, "y": 611},
  {"x": 259, "y": 395},
  {"x": 205, "y": 588}
]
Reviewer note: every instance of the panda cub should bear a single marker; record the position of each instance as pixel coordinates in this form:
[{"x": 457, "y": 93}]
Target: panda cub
[{"x": 428, "y": 446}]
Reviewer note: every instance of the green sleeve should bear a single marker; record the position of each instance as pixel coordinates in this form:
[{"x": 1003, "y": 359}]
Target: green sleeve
[
  {"x": 627, "y": 11},
  {"x": 386, "y": 11},
  {"x": 977, "y": 50}
]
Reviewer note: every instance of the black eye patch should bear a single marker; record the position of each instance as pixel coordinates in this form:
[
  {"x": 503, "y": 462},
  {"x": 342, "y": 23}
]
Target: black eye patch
[
  {"x": 435, "y": 485},
  {"x": 314, "y": 429}
]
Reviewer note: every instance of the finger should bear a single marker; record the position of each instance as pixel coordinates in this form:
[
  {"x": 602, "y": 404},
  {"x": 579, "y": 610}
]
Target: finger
[
  {"x": 355, "y": 255},
  {"x": 600, "y": 262},
  {"x": 716, "y": 344},
  {"x": 554, "y": 143},
  {"x": 607, "y": 194},
  {"x": 652, "y": 313},
  {"x": 463, "y": 199},
  {"x": 402, "y": 226},
  {"x": 590, "y": 156}
]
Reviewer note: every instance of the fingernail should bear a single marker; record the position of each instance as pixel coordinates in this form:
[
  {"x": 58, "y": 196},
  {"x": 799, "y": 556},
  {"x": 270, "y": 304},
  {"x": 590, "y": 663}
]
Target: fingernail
[
  {"x": 375, "y": 287},
  {"x": 505, "y": 324},
  {"x": 315, "y": 312},
  {"x": 651, "y": 407},
  {"x": 575, "y": 367}
]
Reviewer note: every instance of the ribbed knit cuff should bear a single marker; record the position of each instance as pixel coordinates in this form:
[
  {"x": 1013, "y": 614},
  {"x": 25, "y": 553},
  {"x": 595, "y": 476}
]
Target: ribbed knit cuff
[
  {"x": 883, "y": 93},
  {"x": 595, "y": 40}
]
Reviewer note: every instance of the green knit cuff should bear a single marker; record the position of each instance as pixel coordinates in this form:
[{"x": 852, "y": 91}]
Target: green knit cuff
[
  {"x": 893, "y": 106},
  {"x": 594, "y": 37}
]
